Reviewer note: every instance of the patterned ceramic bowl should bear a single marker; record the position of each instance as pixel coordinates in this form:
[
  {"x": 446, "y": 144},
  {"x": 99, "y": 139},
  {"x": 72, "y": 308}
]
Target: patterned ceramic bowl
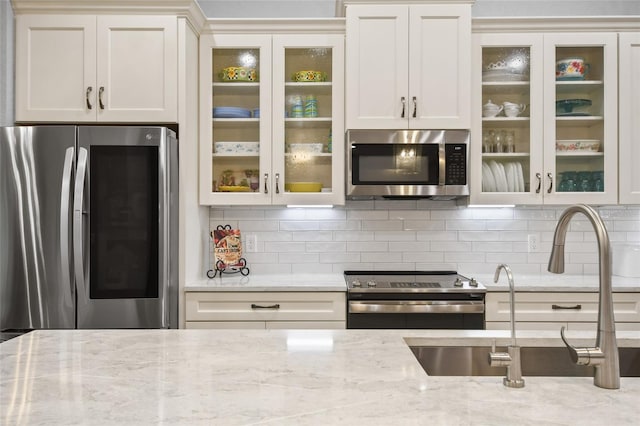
[
  {"x": 578, "y": 145},
  {"x": 571, "y": 69},
  {"x": 314, "y": 76},
  {"x": 238, "y": 74},
  {"x": 236, "y": 147}
]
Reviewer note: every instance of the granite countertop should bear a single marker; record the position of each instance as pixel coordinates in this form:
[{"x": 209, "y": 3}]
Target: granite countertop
[{"x": 284, "y": 377}]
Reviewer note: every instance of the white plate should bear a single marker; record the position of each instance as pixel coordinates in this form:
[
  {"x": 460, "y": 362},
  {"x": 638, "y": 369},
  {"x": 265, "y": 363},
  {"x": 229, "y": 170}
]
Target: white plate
[
  {"x": 511, "y": 177},
  {"x": 498, "y": 173},
  {"x": 520, "y": 177},
  {"x": 488, "y": 180}
]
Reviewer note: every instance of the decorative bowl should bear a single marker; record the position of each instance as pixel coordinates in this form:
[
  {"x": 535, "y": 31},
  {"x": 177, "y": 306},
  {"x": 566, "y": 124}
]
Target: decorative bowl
[
  {"x": 309, "y": 76},
  {"x": 238, "y": 74},
  {"x": 578, "y": 145},
  {"x": 568, "y": 106},
  {"x": 303, "y": 187},
  {"x": 571, "y": 69}
]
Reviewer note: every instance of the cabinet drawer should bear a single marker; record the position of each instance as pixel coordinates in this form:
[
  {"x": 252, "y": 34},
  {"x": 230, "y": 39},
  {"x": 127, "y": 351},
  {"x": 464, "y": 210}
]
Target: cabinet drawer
[
  {"x": 560, "y": 307},
  {"x": 265, "y": 306}
]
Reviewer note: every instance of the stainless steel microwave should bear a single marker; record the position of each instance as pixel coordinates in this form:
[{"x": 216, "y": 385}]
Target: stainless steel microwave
[{"x": 407, "y": 164}]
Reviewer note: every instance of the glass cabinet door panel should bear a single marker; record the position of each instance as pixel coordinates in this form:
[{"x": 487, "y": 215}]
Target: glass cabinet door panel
[
  {"x": 579, "y": 151},
  {"x": 235, "y": 120},
  {"x": 308, "y": 119},
  {"x": 506, "y": 124}
]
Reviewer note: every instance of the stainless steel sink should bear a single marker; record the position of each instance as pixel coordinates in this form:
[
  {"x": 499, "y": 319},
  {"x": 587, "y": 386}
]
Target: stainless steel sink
[{"x": 536, "y": 361}]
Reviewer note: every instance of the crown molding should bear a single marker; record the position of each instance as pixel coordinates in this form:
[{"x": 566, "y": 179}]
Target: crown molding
[
  {"x": 275, "y": 26},
  {"x": 556, "y": 24},
  {"x": 188, "y": 9}
]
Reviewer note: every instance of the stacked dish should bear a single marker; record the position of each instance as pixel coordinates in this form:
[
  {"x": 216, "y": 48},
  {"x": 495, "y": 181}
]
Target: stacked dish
[
  {"x": 572, "y": 107},
  {"x": 498, "y": 177},
  {"x": 312, "y": 148},
  {"x": 238, "y": 74},
  {"x": 236, "y": 147},
  {"x": 231, "y": 112},
  {"x": 309, "y": 76},
  {"x": 578, "y": 145}
]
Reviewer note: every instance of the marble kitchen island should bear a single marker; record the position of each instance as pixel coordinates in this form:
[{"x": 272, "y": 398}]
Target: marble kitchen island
[{"x": 290, "y": 377}]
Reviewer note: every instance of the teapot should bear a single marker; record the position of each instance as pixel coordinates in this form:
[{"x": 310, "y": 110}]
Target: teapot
[
  {"x": 513, "y": 110},
  {"x": 490, "y": 109}
]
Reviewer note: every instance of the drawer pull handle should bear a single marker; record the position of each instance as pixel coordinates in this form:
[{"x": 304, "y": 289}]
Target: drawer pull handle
[
  {"x": 254, "y": 306},
  {"x": 576, "y": 307}
]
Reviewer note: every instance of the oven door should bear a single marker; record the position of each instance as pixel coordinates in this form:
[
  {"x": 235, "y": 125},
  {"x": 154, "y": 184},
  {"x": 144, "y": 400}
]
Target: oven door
[{"x": 414, "y": 311}]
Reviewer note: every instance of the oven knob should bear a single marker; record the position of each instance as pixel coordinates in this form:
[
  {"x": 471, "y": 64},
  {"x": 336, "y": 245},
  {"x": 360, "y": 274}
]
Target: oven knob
[
  {"x": 371, "y": 283},
  {"x": 458, "y": 282},
  {"x": 357, "y": 283},
  {"x": 473, "y": 282}
]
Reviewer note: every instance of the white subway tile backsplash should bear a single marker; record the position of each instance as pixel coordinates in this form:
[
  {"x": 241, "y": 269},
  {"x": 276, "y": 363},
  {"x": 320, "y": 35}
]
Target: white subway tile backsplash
[{"x": 407, "y": 235}]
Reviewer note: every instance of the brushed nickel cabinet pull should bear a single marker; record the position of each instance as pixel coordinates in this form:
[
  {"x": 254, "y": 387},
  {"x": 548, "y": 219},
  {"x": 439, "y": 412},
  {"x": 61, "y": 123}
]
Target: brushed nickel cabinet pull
[
  {"x": 86, "y": 96},
  {"x": 266, "y": 180},
  {"x": 539, "y": 177},
  {"x": 550, "y": 176},
  {"x": 277, "y": 183},
  {"x": 404, "y": 104},
  {"x": 415, "y": 107},
  {"x": 100, "y": 92},
  {"x": 574, "y": 307}
]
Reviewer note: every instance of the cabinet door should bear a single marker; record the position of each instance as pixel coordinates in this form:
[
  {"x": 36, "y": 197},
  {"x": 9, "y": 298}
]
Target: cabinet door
[
  {"x": 308, "y": 109},
  {"x": 137, "y": 73},
  {"x": 629, "y": 169},
  {"x": 377, "y": 58},
  {"x": 439, "y": 68},
  {"x": 580, "y": 118},
  {"x": 55, "y": 68},
  {"x": 235, "y": 133},
  {"x": 507, "y": 71}
]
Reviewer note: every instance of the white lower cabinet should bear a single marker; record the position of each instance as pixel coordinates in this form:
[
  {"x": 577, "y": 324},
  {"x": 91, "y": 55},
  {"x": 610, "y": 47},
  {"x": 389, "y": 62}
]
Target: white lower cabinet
[
  {"x": 552, "y": 310},
  {"x": 266, "y": 310}
]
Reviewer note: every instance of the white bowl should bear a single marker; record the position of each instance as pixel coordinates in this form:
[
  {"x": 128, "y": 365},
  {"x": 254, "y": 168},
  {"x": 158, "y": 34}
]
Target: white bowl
[
  {"x": 236, "y": 147},
  {"x": 314, "y": 148}
]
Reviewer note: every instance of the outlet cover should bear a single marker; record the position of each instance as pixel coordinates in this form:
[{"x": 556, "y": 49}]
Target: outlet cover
[
  {"x": 533, "y": 243},
  {"x": 251, "y": 243}
]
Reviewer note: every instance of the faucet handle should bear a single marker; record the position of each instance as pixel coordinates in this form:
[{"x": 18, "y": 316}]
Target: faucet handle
[
  {"x": 498, "y": 359},
  {"x": 582, "y": 356}
]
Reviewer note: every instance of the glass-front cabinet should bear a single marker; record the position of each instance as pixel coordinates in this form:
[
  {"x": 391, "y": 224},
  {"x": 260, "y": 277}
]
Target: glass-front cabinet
[
  {"x": 268, "y": 124},
  {"x": 544, "y": 118}
]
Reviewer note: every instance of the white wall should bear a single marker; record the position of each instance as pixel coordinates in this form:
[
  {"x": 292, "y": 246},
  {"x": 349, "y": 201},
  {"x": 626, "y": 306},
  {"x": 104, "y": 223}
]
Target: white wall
[{"x": 418, "y": 235}]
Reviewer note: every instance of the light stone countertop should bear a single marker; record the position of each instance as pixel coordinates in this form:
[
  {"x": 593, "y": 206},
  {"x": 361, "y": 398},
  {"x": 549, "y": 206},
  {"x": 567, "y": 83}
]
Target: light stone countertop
[
  {"x": 557, "y": 282},
  {"x": 335, "y": 282},
  {"x": 284, "y": 377},
  {"x": 271, "y": 282}
]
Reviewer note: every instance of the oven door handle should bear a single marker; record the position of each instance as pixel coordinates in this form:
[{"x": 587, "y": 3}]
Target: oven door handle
[{"x": 417, "y": 306}]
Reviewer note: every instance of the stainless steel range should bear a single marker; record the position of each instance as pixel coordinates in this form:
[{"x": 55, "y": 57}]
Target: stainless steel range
[{"x": 414, "y": 300}]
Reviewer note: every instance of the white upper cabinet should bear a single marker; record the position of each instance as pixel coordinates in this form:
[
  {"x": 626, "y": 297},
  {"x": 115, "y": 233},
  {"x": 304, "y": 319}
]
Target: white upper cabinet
[
  {"x": 88, "y": 68},
  {"x": 629, "y": 164},
  {"x": 408, "y": 66},
  {"x": 552, "y": 137},
  {"x": 270, "y": 106}
]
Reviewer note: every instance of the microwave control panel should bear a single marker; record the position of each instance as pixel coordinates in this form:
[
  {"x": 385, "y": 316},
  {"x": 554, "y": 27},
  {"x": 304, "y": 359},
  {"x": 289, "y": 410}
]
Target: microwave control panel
[{"x": 456, "y": 164}]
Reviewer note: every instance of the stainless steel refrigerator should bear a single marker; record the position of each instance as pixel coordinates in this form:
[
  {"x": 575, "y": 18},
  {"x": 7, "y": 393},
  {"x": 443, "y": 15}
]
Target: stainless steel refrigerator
[{"x": 88, "y": 227}]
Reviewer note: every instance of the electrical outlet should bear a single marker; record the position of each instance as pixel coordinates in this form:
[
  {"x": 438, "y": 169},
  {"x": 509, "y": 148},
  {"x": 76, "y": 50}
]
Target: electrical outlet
[
  {"x": 251, "y": 243},
  {"x": 534, "y": 243}
]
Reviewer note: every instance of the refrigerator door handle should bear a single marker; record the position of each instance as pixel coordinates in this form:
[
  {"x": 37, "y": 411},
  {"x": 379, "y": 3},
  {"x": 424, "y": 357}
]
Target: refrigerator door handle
[
  {"x": 78, "y": 237},
  {"x": 65, "y": 192}
]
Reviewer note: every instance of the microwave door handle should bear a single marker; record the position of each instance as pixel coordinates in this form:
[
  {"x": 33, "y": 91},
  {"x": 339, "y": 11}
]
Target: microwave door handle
[
  {"x": 65, "y": 192},
  {"x": 441, "y": 164},
  {"x": 78, "y": 240}
]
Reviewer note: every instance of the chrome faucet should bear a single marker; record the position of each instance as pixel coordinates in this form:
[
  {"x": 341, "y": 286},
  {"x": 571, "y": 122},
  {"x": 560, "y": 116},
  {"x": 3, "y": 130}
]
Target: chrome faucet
[
  {"x": 605, "y": 355},
  {"x": 510, "y": 359}
]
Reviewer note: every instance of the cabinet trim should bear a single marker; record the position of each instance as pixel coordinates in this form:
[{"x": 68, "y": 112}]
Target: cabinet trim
[{"x": 555, "y": 24}]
